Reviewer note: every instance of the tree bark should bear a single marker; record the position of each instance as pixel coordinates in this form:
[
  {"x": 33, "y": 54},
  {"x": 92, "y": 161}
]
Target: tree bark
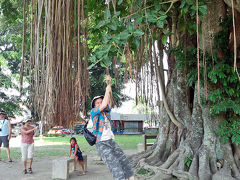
[{"x": 198, "y": 143}]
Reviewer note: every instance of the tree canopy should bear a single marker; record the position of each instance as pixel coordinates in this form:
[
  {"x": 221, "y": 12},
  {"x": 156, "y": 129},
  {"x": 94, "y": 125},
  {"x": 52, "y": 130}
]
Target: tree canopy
[{"x": 65, "y": 47}]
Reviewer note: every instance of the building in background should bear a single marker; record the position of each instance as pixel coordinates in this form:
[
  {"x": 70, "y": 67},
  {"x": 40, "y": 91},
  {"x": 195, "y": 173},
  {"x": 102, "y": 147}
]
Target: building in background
[{"x": 129, "y": 123}]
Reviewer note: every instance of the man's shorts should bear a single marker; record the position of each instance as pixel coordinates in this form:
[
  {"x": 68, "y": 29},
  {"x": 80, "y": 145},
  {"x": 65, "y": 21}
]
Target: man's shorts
[{"x": 5, "y": 141}]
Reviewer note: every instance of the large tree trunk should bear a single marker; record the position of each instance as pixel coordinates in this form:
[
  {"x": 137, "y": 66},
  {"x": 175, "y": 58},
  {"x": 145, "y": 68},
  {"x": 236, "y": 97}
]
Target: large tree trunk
[
  {"x": 211, "y": 159},
  {"x": 197, "y": 141}
]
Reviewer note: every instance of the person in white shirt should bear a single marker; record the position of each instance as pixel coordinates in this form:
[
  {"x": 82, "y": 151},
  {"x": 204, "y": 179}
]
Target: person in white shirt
[
  {"x": 111, "y": 154},
  {"x": 5, "y": 133}
]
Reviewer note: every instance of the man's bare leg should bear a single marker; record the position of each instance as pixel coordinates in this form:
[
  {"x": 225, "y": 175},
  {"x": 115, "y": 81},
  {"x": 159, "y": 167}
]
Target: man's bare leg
[{"x": 8, "y": 153}]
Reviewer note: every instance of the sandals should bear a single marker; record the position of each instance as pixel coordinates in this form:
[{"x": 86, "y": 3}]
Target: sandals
[
  {"x": 30, "y": 170},
  {"x": 82, "y": 174},
  {"x": 10, "y": 160}
]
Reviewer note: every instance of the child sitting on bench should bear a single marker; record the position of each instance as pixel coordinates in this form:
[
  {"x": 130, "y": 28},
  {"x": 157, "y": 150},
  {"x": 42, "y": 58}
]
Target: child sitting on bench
[{"x": 77, "y": 154}]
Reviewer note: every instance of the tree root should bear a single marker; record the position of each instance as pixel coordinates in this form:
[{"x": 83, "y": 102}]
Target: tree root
[
  {"x": 230, "y": 161},
  {"x": 236, "y": 150},
  {"x": 224, "y": 173},
  {"x": 204, "y": 171},
  {"x": 135, "y": 159},
  {"x": 162, "y": 173},
  {"x": 194, "y": 165},
  {"x": 171, "y": 159},
  {"x": 203, "y": 165}
]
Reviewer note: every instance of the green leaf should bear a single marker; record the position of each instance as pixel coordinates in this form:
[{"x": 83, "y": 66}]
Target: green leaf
[
  {"x": 113, "y": 26},
  {"x": 162, "y": 12},
  {"x": 166, "y": 32},
  {"x": 164, "y": 40},
  {"x": 91, "y": 66},
  {"x": 93, "y": 59},
  {"x": 117, "y": 13},
  {"x": 138, "y": 32},
  {"x": 116, "y": 37},
  {"x": 120, "y": 2},
  {"x": 124, "y": 35},
  {"x": 224, "y": 139},
  {"x": 190, "y": 2},
  {"x": 182, "y": 4},
  {"x": 100, "y": 24},
  {"x": 107, "y": 14},
  {"x": 185, "y": 9},
  {"x": 107, "y": 48},
  {"x": 162, "y": 17},
  {"x": 151, "y": 18},
  {"x": 138, "y": 20},
  {"x": 106, "y": 61},
  {"x": 100, "y": 54},
  {"x": 102, "y": 64},
  {"x": 130, "y": 28},
  {"x": 105, "y": 39},
  {"x": 203, "y": 9},
  {"x": 137, "y": 42},
  {"x": 160, "y": 24}
]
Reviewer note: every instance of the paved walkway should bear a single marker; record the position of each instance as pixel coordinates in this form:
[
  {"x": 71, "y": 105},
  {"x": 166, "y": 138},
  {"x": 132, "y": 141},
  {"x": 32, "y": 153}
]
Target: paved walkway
[{"x": 42, "y": 168}]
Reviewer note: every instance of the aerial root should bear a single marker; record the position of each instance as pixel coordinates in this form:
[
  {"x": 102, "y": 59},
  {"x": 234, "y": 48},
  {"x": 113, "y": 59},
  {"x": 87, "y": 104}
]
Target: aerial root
[
  {"x": 204, "y": 165},
  {"x": 135, "y": 159}
]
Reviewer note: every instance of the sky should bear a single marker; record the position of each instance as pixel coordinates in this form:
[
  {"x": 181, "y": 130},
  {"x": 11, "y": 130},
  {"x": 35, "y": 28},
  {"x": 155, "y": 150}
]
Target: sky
[{"x": 128, "y": 106}]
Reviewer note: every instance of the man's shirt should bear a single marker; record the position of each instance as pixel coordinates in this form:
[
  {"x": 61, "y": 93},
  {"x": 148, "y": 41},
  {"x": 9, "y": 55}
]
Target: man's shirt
[
  {"x": 98, "y": 116},
  {"x": 4, "y": 127}
]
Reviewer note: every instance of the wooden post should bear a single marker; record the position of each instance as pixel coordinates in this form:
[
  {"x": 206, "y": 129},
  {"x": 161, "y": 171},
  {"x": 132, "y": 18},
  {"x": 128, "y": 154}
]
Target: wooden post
[{"x": 144, "y": 142}]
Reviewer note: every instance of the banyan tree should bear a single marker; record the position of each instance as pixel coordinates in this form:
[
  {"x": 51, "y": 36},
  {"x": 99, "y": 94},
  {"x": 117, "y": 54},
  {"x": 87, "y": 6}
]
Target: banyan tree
[
  {"x": 200, "y": 111},
  {"x": 58, "y": 60},
  {"x": 199, "y": 118}
]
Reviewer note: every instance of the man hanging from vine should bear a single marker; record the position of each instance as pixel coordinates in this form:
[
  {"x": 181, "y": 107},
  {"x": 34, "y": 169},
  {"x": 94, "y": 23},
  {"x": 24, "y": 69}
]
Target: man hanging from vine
[{"x": 107, "y": 148}]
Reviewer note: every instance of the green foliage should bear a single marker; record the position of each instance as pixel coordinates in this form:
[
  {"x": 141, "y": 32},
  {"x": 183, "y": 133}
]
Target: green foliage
[
  {"x": 9, "y": 10},
  {"x": 10, "y": 54},
  {"x": 188, "y": 161},
  {"x": 112, "y": 38},
  {"x": 143, "y": 172},
  {"x": 223, "y": 82},
  {"x": 108, "y": 31},
  {"x": 114, "y": 30},
  {"x": 230, "y": 129},
  {"x": 98, "y": 85}
]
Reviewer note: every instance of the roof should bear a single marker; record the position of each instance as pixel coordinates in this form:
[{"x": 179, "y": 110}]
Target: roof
[{"x": 130, "y": 117}]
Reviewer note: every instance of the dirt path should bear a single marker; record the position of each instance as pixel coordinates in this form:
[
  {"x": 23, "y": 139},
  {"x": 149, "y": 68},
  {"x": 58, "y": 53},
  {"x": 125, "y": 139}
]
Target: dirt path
[{"x": 42, "y": 169}]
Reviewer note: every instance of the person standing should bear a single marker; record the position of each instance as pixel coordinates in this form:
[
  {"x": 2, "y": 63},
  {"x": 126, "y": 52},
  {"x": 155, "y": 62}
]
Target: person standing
[
  {"x": 5, "y": 133},
  {"x": 111, "y": 154},
  {"x": 27, "y": 144}
]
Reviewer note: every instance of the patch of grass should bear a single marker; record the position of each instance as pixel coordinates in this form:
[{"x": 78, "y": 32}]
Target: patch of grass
[
  {"x": 48, "y": 151},
  {"x": 59, "y": 146},
  {"x": 124, "y": 141},
  {"x": 54, "y": 139},
  {"x": 15, "y": 153},
  {"x": 128, "y": 142}
]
